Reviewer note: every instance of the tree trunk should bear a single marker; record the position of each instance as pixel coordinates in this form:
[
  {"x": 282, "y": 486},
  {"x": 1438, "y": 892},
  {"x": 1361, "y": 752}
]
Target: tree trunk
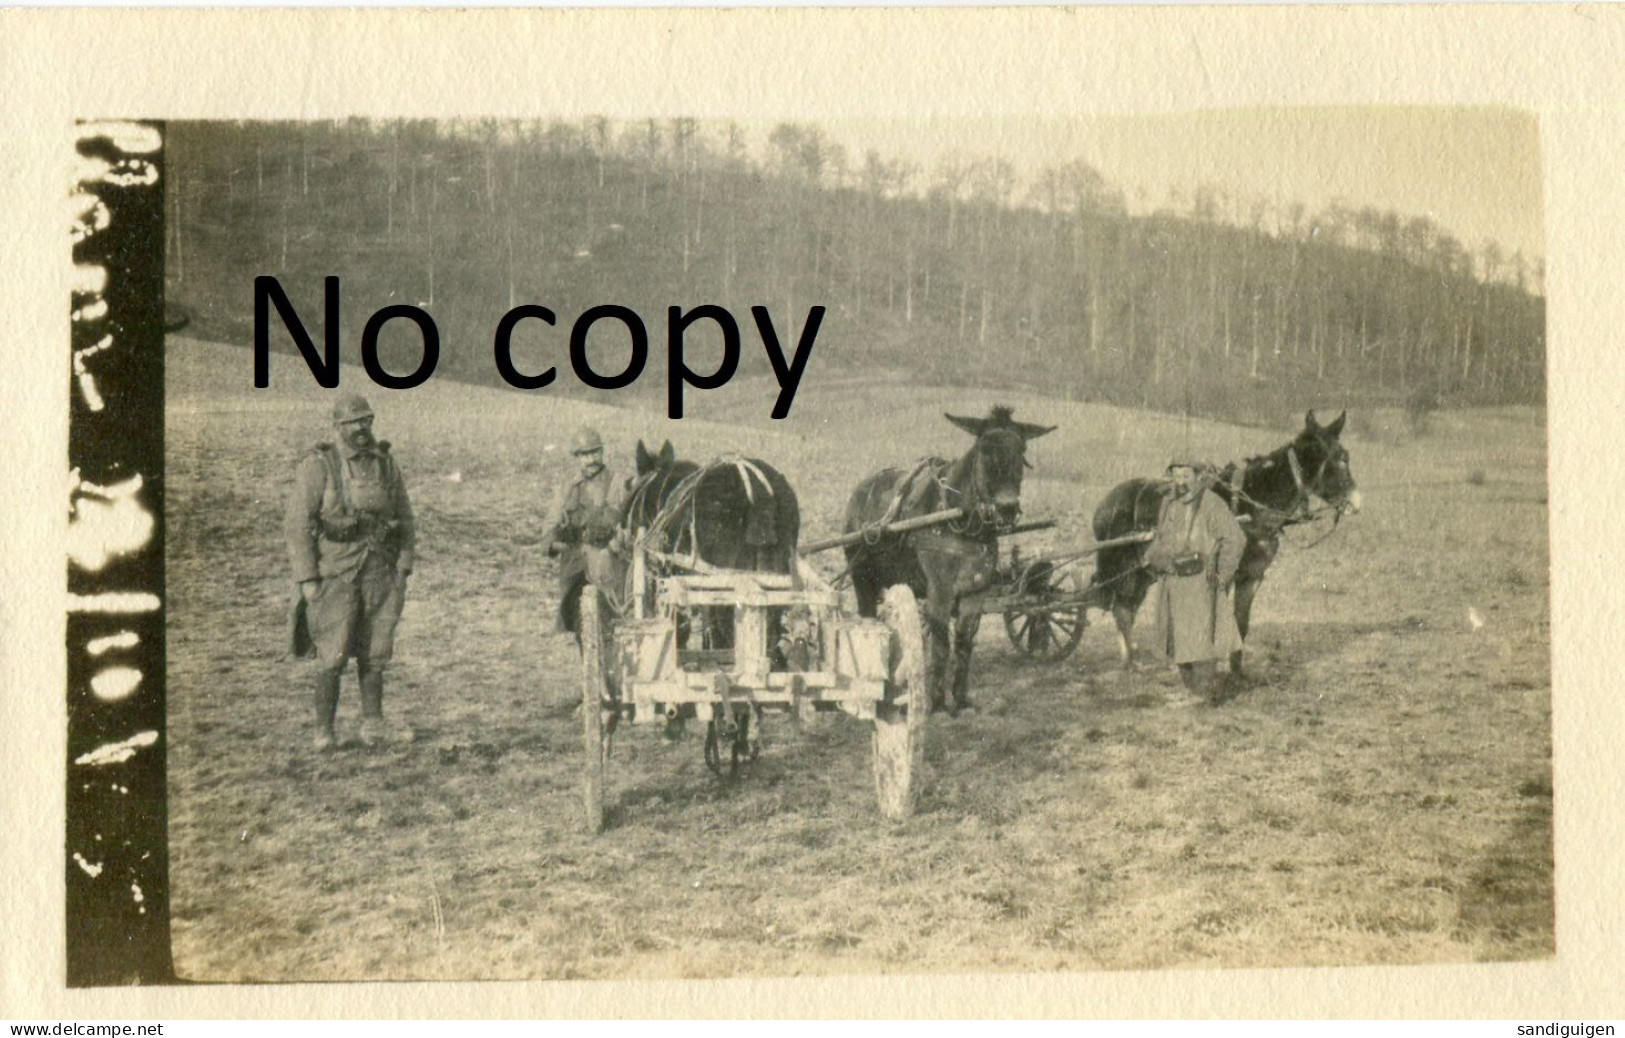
[
  {"x": 1095, "y": 320},
  {"x": 391, "y": 188},
  {"x": 908, "y": 287},
  {"x": 512, "y": 294},
  {"x": 287, "y": 187},
  {"x": 1467, "y": 353},
  {"x": 490, "y": 180},
  {"x": 1252, "y": 368}
]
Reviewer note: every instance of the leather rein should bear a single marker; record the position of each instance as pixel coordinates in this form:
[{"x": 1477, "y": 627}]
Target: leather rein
[{"x": 1272, "y": 520}]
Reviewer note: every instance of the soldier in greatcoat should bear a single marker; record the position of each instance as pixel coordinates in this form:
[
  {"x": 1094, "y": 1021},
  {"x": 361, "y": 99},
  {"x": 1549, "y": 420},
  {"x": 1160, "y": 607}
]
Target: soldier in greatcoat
[
  {"x": 584, "y": 527},
  {"x": 1194, "y": 555},
  {"x": 351, "y": 541}
]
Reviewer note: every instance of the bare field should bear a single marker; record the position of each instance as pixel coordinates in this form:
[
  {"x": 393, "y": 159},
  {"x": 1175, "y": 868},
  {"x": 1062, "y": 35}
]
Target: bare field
[{"x": 1380, "y": 792}]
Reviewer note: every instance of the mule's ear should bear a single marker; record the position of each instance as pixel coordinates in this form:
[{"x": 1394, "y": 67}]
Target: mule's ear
[
  {"x": 645, "y": 461},
  {"x": 1309, "y": 421},
  {"x": 974, "y": 426},
  {"x": 668, "y": 453},
  {"x": 1033, "y": 432},
  {"x": 1335, "y": 429}
]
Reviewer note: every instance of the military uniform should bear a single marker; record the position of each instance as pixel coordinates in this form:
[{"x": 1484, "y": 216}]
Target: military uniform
[
  {"x": 585, "y": 522},
  {"x": 349, "y": 528},
  {"x": 1195, "y": 553}
]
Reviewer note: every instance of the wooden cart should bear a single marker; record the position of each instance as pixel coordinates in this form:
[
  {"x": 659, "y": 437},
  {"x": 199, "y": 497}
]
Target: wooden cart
[
  {"x": 729, "y": 647},
  {"x": 1045, "y": 599}
]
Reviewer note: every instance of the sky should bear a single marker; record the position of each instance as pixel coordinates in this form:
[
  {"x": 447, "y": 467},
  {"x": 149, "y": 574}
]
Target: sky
[{"x": 1475, "y": 171}]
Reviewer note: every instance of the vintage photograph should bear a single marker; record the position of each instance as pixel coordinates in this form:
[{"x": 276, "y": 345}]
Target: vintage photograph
[{"x": 1088, "y": 543}]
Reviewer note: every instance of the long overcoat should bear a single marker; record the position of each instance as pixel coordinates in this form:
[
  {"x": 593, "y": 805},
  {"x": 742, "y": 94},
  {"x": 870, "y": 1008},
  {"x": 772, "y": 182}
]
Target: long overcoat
[
  {"x": 348, "y": 521},
  {"x": 1194, "y": 620}
]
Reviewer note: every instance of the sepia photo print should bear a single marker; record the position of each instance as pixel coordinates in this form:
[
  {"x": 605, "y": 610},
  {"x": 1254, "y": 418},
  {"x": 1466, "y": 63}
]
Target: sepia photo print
[{"x": 1087, "y": 543}]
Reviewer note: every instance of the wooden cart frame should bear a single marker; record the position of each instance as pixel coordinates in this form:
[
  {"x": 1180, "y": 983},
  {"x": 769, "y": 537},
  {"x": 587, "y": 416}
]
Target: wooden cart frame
[{"x": 790, "y": 649}]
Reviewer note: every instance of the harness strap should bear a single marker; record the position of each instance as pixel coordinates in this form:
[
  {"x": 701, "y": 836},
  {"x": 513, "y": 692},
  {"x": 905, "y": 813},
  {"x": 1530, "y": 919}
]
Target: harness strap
[
  {"x": 747, "y": 470},
  {"x": 679, "y": 504},
  {"x": 1196, "y": 510},
  {"x": 1235, "y": 480},
  {"x": 949, "y": 544},
  {"x": 335, "y": 473},
  {"x": 896, "y": 505}
]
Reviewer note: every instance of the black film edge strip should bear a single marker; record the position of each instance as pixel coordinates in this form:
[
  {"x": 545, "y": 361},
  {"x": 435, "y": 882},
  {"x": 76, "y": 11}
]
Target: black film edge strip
[{"x": 116, "y": 853}]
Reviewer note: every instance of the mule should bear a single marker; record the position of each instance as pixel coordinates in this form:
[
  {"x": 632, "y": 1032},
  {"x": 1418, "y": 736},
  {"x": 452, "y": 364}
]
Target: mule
[
  {"x": 1267, "y": 493},
  {"x": 944, "y": 563},
  {"x": 739, "y": 513}
]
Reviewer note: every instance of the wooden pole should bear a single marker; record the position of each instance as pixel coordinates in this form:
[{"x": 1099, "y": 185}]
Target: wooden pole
[
  {"x": 1036, "y": 524},
  {"x": 1139, "y": 537},
  {"x": 902, "y": 526}
]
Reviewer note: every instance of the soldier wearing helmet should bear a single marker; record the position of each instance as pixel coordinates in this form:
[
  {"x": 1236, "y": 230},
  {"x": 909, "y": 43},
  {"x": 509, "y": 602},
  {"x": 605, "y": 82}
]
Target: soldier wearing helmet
[
  {"x": 585, "y": 520},
  {"x": 351, "y": 541},
  {"x": 1194, "y": 555}
]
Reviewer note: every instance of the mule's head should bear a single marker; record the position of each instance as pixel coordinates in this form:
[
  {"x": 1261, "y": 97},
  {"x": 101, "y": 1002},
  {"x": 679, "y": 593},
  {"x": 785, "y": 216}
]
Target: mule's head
[
  {"x": 1325, "y": 463},
  {"x": 644, "y": 497},
  {"x": 996, "y": 461},
  {"x": 647, "y": 461}
]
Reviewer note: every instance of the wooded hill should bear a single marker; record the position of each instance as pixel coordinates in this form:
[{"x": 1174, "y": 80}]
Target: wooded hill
[{"x": 958, "y": 274}]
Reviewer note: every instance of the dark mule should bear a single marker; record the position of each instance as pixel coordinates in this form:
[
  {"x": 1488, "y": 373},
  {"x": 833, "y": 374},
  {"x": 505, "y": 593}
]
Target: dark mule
[
  {"x": 733, "y": 513},
  {"x": 946, "y": 562},
  {"x": 1266, "y": 493},
  {"x": 736, "y": 513}
]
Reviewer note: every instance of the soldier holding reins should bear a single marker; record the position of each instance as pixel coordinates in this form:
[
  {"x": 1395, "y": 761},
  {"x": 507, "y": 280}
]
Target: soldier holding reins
[
  {"x": 584, "y": 527},
  {"x": 1194, "y": 555}
]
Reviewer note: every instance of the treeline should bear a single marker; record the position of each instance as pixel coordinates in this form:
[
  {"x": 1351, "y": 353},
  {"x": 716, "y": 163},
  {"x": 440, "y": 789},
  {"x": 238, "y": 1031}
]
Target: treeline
[{"x": 962, "y": 273}]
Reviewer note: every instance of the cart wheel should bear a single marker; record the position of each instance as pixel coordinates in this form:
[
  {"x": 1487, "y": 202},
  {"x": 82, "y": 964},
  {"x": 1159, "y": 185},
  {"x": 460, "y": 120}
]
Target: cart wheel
[
  {"x": 1052, "y": 628},
  {"x": 899, "y": 740},
  {"x": 741, "y": 748},
  {"x": 594, "y": 692}
]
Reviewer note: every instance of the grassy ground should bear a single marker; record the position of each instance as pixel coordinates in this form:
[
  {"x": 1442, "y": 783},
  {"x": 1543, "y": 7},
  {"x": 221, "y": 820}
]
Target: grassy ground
[{"x": 1380, "y": 792}]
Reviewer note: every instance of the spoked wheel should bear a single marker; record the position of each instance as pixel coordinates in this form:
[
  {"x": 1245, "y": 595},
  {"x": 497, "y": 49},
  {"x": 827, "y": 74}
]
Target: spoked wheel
[
  {"x": 727, "y": 743},
  {"x": 594, "y": 694},
  {"x": 899, "y": 739},
  {"x": 1052, "y": 627}
]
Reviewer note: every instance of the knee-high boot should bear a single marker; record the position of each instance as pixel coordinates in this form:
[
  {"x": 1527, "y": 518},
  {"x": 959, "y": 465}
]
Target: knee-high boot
[
  {"x": 372, "y": 705},
  {"x": 326, "y": 702}
]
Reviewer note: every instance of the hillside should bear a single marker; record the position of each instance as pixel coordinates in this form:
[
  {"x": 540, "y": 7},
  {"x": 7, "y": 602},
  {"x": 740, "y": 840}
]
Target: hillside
[{"x": 960, "y": 275}]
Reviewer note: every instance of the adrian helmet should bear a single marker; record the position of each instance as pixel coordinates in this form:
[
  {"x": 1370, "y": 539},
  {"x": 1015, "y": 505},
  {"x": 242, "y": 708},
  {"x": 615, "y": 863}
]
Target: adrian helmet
[
  {"x": 586, "y": 441},
  {"x": 351, "y": 407}
]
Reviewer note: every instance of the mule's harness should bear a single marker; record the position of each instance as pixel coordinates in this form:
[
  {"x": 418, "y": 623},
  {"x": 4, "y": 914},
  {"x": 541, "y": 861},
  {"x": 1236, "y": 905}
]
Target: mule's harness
[{"x": 1272, "y": 520}]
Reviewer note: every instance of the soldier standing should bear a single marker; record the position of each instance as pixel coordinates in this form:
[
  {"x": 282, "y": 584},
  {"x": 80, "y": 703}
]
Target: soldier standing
[
  {"x": 584, "y": 526},
  {"x": 351, "y": 541},
  {"x": 1195, "y": 552}
]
